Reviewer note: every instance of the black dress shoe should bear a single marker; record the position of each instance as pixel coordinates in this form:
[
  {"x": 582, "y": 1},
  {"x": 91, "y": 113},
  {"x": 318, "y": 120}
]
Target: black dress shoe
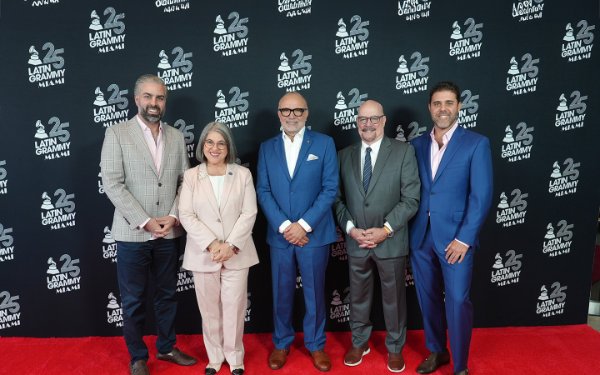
[
  {"x": 463, "y": 372},
  {"x": 139, "y": 367},
  {"x": 433, "y": 361},
  {"x": 210, "y": 371},
  {"x": 178, "y": 357},
  {"x": 237, "y": 371}
]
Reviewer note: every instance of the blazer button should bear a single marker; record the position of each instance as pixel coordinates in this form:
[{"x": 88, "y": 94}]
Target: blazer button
[
  {"x": 218, "y": 220},
  {"x": 159, "y": 184},
  {"x": 366, "y": 205},
  {"x": 157, "y": 203}
]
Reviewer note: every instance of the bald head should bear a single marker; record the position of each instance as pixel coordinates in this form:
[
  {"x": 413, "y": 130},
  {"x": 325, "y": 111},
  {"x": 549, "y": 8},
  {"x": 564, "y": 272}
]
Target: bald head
[
  {"x": 370, "y": 121},
  {"x": 292, "y": 113}
]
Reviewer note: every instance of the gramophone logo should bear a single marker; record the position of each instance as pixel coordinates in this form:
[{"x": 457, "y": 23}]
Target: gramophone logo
[
  {"x": 523, "y": 79},
  {"x": 465, "y": 41},
  {"x": 512, "y": 213},
  {"x": 346, "y": 108},
  {"x": 232, "y": 109},
  {"x": 65, "y": 278},
  {"x": 7, "y": 248},
  {"x": 354, "y": 42},
  {"x": 110, "y": 109},
  {"x": 414, "y": 9},
  {"x": 414, "y": 130},
  {"x": 49, "y": 70},
  {"x": 409, "y": 279},
  {"x": 110, "y": 35},
  {"x": 55, "y": 144},
  {"x": 294, "y": 77},
  {"x": 563, "y": 181},
  {"x": 185, "y": 278},
  {"x": 571, "y": 116},
  {"x": 114, "y": 311},
  {"x": 526, "y": 10},
  {"x": 412, "y": 79},
  {"x": 100, "y": 185},
  {"x": 577, "y": 45},
  {"x": 10, "y": 310},
  {"x": 248, "y": 317},
  {"x": 188, "y": 136},
  {"x": 551, "y": 302},
  {"x": 109, "y": 246},
  {"x": 293, "y": 8},
  {"x": 233, "y": 39},
  {"x": 3, "y": 178},
  {"x": 338, "y": 248},
  {"x": 176, "y": 72},
  {"x": 517, "y": 147},
  {"x": 170, "y": 6},
  {"x": 41, "y": 3},
  {"x": 469, "y": 109},
  {"x": 506, "y": 269},
  {"x": 339, "y": 307},
  {"x": 557, "y": 241},
  {"x": 61, "y": 213}
]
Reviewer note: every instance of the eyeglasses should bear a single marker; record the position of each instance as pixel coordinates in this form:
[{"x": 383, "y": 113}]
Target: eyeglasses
[
  {"x": 286, "y": 112},
  {"x": 374, "y": 119},
  {"x": 210, "y": 144}
]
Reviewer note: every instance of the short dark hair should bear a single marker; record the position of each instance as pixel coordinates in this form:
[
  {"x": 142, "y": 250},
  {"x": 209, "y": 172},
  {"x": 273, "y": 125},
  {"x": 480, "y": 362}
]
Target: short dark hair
[
  {"x": 445, "y": 86},
  {"x": 227, "y": 136},
  {"x": 148, "y": 78}
]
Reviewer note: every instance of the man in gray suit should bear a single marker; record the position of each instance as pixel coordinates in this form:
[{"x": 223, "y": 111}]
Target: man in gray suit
[
  {"x": 379, "y": 193},
  {"x": 142, "y": 164}
]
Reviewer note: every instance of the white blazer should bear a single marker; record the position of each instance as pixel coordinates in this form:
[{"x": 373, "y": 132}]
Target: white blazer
[{"x": 205, "y": 221}]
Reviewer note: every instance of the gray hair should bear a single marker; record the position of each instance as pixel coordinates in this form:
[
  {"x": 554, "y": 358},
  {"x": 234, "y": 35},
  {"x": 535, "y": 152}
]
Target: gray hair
[
  {"x": 148, "y": 78},
  {"x": 227, "y": 136}
]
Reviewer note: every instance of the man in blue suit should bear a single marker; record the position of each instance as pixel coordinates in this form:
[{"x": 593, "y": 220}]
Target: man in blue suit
[
  {"x": 296, "y": 186},
  {"x": 455, "y": 168}
]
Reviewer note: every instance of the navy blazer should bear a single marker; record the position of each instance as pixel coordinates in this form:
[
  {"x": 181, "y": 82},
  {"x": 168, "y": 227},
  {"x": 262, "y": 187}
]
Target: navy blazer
[
  {"x": 309, "y": 195},
  {"x": 457, "y": 201}
]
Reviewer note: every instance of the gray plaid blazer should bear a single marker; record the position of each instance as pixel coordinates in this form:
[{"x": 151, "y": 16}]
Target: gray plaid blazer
[{"x": 132, "y": 183}]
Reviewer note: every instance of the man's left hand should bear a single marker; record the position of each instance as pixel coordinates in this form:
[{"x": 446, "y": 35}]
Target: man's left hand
[
  {"x": 295, "y": 234},
  {"x": 456, "y": 252},
  {"x": 166, "y": 223},
  {"x": 376, "y": 235}
]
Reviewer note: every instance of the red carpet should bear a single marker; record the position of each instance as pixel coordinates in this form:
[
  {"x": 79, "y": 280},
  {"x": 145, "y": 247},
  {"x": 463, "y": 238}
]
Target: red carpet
[{"x": 536, "y": 350}]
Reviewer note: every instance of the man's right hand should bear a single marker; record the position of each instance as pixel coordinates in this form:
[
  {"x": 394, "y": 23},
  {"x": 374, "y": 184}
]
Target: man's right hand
[
  {"x": 359, "y": 235},
  {"x": 154, "y": 227}
]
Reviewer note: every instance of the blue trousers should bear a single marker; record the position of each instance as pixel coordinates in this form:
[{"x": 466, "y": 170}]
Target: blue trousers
[
  {"x": 443, "y": 291},
  {"x": 312, "y": 263},
  {"x": 138, "y": 264}
]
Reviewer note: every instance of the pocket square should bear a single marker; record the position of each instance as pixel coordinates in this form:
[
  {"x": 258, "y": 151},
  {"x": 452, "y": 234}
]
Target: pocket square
[{"x": 312, "y": 157}]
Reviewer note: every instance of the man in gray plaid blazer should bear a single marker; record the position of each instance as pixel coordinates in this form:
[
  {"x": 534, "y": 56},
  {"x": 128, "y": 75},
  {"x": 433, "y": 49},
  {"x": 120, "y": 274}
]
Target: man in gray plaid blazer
[{"x": 142, "y": 164}]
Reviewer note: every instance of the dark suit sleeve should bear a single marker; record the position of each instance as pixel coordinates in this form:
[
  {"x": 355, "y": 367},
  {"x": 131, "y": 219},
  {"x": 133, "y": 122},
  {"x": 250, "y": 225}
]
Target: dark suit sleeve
[
  {"x": 329, "y": 186},
  {"x": 410, "y": 191},
  {"x": 480, "y": 193},
  {"x": 341, "y": 210}
]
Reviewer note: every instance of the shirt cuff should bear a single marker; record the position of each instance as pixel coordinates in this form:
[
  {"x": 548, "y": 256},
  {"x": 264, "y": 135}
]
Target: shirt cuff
[
  {"x": 349, "y": 226},
  {"x": 388, "y": 226},
  {"x": 142, "y": 225},
  {"x": 466, "y": 244},
  {"x": 176, "y": 220},
  {"x": 305, "y": 225},
  {"x": 284, "y": 225}
]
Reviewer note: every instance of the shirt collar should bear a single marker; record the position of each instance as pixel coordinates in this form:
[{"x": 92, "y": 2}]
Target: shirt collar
[
  {"x": 145, "y": 127},
  {"x": 374, "y": 146},
  {"x": 447, "y": 136},
  {"x": 299, "y": 135}
]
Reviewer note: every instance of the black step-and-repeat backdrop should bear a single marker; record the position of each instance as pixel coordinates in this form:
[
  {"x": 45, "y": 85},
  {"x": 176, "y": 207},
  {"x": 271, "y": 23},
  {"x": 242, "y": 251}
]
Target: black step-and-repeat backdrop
[{"x": 528, "y": 74}]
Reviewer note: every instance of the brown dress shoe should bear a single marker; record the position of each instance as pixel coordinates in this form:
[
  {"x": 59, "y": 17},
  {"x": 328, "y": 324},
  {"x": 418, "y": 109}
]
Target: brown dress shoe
[
  {"x": 354, "y": 356},
  {"x": 321, "y": 360},
  {"x": 433, "y": 361},
  {"x": 396, "y": 362},
  {"x": 277, "y": 358},
  {"x": 463, "y": 372},
  {"x": 178, "y": 357},
  {"x": 139, "y": 367}
]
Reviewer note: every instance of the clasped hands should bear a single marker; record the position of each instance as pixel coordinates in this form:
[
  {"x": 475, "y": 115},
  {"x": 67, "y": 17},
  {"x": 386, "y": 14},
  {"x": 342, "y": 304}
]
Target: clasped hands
[
  {"x": 160, "y": 226},
  {"x": 295, "y": 234},
  {"x": 220, "y": 251},
  {"x": 368, "y": 238}
]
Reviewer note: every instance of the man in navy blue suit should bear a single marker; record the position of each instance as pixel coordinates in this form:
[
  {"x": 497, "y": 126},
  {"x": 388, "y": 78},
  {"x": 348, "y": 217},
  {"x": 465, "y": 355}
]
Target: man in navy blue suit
[
  {"x": 455, "y": 168},
  {"x": 296, "y": 186}
]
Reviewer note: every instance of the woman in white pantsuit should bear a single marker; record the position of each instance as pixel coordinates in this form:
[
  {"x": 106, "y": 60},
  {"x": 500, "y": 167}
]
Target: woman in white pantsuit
[{"x": 217, "y": 208}]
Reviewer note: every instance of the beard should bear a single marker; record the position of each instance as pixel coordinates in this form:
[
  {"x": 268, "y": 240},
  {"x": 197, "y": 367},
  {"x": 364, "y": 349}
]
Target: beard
[{"x": 151, "y": 118}]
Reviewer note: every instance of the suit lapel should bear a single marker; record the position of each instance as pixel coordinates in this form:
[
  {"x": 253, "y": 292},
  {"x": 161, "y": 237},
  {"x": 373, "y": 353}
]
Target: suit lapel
[
  {"x": 306, "y": 142},
  {"x": 279, "y": 153},
  {"x": 166, "y": 148},
  {"x": 206, "y": 187},
  {"x": 137, "y": 134},
  {"x": 356, "y": 167},
  {"x": 452, "y": 148},
  {"x": 227, "y": 185},
  {"x": 384, "y": 152},
  {"x": 425, "y": 154}
]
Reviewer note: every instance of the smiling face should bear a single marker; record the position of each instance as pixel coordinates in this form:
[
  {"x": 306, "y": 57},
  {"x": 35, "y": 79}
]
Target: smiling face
[
  {"x": 292, "y": 124},
  {"x": 444, "y": 108},
  {"x": 215, "y": 148},
  {"x": 368, "y": 112},
  {"x": 151, "y": 99}
]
